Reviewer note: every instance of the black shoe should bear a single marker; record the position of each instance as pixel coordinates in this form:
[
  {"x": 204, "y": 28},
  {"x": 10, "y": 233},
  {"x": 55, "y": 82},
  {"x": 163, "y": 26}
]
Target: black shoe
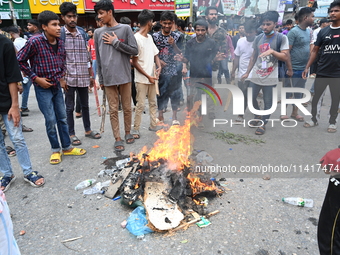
[
  {"x": 24, "y": 114},
  {"x": 25, "y": 110}
]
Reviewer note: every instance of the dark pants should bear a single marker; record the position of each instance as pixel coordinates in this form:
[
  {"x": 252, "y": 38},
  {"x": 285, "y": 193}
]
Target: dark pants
[
  {"x": 329, "y": 221},
  {"x": 244, "y": 88},
  {"x": 168, "y": 88},
  {"x": 84, "y": 101},
  {"x": 320, "y": 85}
]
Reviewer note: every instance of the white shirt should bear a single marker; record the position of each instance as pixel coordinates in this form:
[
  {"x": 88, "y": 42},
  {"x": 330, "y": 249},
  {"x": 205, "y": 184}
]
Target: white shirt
[
  {"x": 19, "y": 43},
  {"x": 244, "y": 50},
  {"x": 147, "y": 51}
]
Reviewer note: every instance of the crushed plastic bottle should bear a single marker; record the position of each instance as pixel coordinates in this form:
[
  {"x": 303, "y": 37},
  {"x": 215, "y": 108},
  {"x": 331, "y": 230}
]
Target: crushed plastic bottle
[
  {"x": 108, "y": 172},
  {"x": 303, "y": 202},
  {"x": 121, "y": 163},
  {"x": 96, "y": 189},
  {"x": 85, "y": 184},
  {"x": 204, "y": 156}
]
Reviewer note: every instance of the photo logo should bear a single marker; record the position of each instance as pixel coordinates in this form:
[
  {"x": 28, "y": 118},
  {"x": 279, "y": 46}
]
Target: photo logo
[{"x": 204, "y": 97}]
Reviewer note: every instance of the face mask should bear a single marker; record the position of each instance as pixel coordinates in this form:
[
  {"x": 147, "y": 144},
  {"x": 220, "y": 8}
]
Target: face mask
[{"x": 272, "y": 32}]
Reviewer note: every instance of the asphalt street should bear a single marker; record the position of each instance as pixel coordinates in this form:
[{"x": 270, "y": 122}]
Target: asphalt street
[{"x": 252, "y": 218}]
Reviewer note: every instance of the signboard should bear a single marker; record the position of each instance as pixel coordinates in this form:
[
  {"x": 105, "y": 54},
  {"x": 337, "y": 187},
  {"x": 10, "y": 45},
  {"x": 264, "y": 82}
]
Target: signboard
[
  {"x": 37, "y": 6},
  {"x": 322, "y": 11},
  {"x": 21, "y": 9},
  {"x": 136, "y": 5},
  {"x": 183, "y": 8}
]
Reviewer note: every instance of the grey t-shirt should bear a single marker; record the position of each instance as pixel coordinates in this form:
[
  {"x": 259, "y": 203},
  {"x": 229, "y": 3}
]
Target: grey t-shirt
[
  {"x": 113, "y": 60},
  {"x": 265, "y": 70},
  {"x": 300, "y": 40}
]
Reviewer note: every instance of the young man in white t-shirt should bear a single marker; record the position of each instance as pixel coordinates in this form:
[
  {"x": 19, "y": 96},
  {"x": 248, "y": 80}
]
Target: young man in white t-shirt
[
  {"x": 145, "y": 73},
  {"x": 243, "y": 52}
]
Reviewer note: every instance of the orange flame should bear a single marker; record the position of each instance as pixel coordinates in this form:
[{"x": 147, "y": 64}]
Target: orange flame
[{"x": 198, "y": 187}]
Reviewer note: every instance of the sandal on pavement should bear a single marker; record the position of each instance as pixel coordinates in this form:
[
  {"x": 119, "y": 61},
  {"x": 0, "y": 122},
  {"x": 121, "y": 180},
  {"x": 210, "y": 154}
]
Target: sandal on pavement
[
  {"x": 55, "y": 158},
  {"x": 135, "y": 133},
  {"x": 155, "y": 129},
  {"x": 118, "y": 144},
  {"x": 94, "y": 135},
  {"x": 284, "y": 117},
  {"x": 75, "y": 140},
  {"x": 310, "y": 123},
  {"x": 298, "y": 118},
  {"x": 260, "y": 130},
  {"x": 6, "y": 182},
  {"x": 129, "y": 139},
  {"x": 175, "y": 122},
  {"x": 331, "y": 128},
  {"x": 32, "y": 179},
  {"x": 10, "y": 151},
  {"x": 75, "y": 152},
  {"x": 26, "y": 129},
  {"x": 239, "y": 119},
  {"x": 255, "y": 123}
]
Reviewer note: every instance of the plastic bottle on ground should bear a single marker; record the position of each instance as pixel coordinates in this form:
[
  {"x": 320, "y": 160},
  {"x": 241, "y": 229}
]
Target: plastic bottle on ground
[
  {"x": 303, "y": 202},
  {"x": 121, "y": 163},
  {"x": 97, "y": 189},
  {"x": 85, "y": 184}
]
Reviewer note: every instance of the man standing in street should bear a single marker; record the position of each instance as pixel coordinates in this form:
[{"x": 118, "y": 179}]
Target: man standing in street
[
  {"x": 79, "y": 75},
  {"x": 299, "y": 39},
  {"x": 243, "y": 52},
  {"x": 114, "y": 44},
  {"x": 166, "y": 42},
  {"x": 328, "y": 71},
  {"x": 33, "y": 27},
  {"x": 9, "y": 109},
  {"x": 264, "y": 66},
  {"x": 46, "y": 54}
]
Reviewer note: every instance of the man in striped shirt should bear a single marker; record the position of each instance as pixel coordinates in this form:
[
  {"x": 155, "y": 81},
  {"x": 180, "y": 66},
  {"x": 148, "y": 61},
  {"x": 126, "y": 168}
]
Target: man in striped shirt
[{"x": 78, "y": 74}]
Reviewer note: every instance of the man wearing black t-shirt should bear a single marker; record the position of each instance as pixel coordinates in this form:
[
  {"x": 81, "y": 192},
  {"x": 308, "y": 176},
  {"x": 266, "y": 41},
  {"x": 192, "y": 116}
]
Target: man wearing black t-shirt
[
  {"x": 328, "y": 72},
  {"x": 201, "y": 52}
]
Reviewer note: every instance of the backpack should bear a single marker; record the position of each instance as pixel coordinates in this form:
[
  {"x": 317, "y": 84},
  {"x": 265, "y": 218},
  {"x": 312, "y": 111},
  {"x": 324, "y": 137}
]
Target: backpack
[{"x": 281, "y": 64}]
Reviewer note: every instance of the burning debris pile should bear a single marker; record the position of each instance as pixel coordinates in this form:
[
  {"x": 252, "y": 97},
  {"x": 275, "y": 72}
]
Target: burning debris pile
[{"x": 162, "y": 179}]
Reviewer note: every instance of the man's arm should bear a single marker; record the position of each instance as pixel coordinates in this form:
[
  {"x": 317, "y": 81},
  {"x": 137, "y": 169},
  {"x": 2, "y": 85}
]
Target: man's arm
[
  {"x": 236, "y": 63},
  {"x": 23, "y": 56},
  {"x": 129, "y": 48},
  {"x": 158, "y": 64},
  {"x": 141, "y": 70},
  {"x": 311, "y": 60},
  {"x": 13, "y": 112}
]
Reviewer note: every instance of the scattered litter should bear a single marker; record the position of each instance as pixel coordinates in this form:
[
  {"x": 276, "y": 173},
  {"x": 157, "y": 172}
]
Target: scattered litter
[
  {"x": 136, "y": 223},
  {"x": 121, "y": 163},
  {"x": 302, "y": 202},
  {"x": 104, "y": 157},
  {"x": 22, "y": 232},
  {"x": 203, "y": 156},
  {"x": 97, "y": 189},
  {"x": 266, "y": 177},
  {"x": 123, "y": 224},
  {"x": 108, "y": 172},
  {"x": 85, "y": 184},
  {"x": 203, "y": 222},
  {"x": 116, "y": 198},
  {"x": 184, "y": 241},
  {"x": 95, "y": 146},
  {"x": 72, "y": 239}
]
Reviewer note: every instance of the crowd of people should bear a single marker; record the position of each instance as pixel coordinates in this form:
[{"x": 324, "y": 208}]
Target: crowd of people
[{"x": 152, "y": 60}]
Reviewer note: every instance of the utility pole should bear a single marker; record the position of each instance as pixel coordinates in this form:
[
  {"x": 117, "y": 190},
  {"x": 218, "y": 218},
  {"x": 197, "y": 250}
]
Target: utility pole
[{"x": 10, "y": 3}]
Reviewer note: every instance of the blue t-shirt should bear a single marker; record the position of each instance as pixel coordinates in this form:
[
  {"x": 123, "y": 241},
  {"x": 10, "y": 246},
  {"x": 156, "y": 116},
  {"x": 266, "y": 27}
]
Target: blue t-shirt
[{"x": 300, "y": 40}]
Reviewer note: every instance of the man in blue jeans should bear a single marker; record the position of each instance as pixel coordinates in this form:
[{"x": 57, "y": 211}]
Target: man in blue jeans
[
  {"x": 299, "y": 39},
  {"x": 264, "y": 66},
  {"x": 46, "y": 53},
  {"x": 9, "y": 109}
]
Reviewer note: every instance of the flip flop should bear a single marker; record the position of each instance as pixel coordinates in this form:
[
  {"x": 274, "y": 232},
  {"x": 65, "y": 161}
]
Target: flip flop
[
  {"x": 260, "y": 130},
  {"x": 331, "y": 128},
  {"x": 10, "y": 151},
  {"x": 93, "y": 135},
  {"x": 119, "y": 144},
  {"x": 135, "y": 134},
  {"x": 310, "y": 123},
  {"x": 175, "y": 122},
  {"x": 75, "y": 140},
  {"x": 284, "y": 117},
  {"x": 129, "y": 137},
  {"x": 298, "y": 118},
  {"x": 75, "y": 152},
  {"x": 55, "y": 156},
  {"x": 33, "y": 177}
]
